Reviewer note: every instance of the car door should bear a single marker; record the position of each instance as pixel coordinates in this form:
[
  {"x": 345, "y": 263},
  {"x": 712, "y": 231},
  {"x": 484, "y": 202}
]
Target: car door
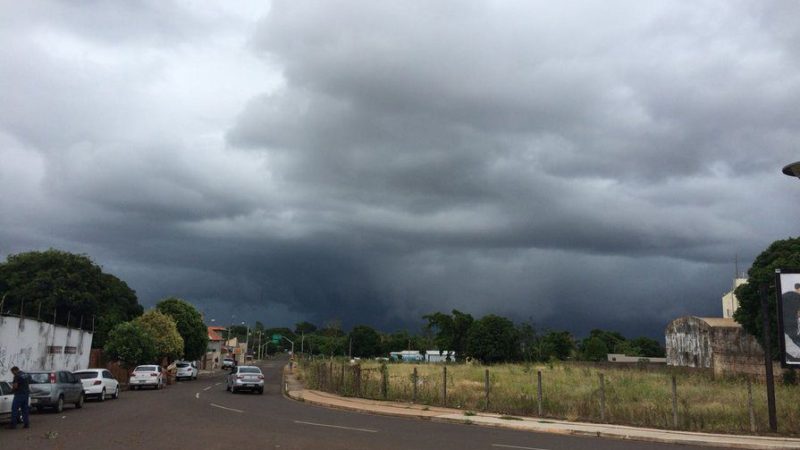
[
  {"x": 109, "y": 382},
  {"x": 5, "y": 398}
]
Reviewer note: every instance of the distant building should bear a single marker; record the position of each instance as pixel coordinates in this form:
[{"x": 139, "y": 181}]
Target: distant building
[
  {"x": 729, "y": 301},
  {"x": 719, "y": 344},
  {"x": 213, "y": 355},
  {"x": 436, "y": 356},
  {"x": 406, "y": 355},
  {"x": 622, "y": 358}
]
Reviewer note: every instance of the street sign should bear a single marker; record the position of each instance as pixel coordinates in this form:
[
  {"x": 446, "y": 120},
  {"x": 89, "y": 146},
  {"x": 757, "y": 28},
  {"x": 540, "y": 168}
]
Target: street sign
[{"x": 276, "y": 337}]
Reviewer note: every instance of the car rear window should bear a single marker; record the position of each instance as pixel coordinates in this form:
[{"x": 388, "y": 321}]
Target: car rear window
[
  {"x": 249, "y": 370},
  {"x": 39, "y": 378},
  {"x": 85, "y": 375},
  {"x": 146, "y": 369},
  {"x": 182, "y": 365}
]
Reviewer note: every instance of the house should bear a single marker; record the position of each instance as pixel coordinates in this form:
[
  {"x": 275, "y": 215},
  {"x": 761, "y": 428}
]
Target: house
[
  {"x": 406, "y": 356},
  {"x": 435, "y": 356},
  {"x": 213, "y": 356},
  {"x": 729, "y": 301}
]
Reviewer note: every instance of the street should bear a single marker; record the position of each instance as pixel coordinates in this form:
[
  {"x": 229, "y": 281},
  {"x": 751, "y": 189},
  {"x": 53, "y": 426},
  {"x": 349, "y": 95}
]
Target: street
[{"x": 202, "y": 414}]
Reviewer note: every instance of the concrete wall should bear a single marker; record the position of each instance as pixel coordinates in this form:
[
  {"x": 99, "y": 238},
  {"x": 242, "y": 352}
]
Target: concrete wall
[
  {"x": 33, "y": 345},
  {"x": 688, "y": 343},
  {"x": 622, "y": 358}
]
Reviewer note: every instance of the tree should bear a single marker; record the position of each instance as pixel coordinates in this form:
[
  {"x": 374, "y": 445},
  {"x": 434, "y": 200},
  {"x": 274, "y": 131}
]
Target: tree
[
  {"x": 450, "y": 330},
  {"x": 493, "y": 339},
  {"x": 169, "y": 343},
  {"x": 642, "y": 346},
  {"x": 190, "y": 326},
  {"x": 305, "y": 328},
  {"x": 612, "y": 341},
  {"x": 69, "y": 285},
  {"x": 594, "y": 349},
  {"x": 366, "y": 341},
  {"x": 558, "y": 344},
  {"x": 131, "y": 344},
  {"x": 780, "y": 254}
]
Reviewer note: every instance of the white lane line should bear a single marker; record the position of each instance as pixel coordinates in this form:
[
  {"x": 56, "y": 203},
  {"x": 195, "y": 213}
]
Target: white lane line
[
  {"x": 197, "y": 395},
  {"x": 208, "y": 388},
  {"x": 218, "y": 384},
  {"x": 517, "y": 446},
  {"x": 225, "y": 408},
  {"x": 365, "y": 430}
]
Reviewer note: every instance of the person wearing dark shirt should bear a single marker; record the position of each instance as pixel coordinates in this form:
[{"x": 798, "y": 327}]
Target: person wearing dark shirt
[
  {"x": 791, "y": 330},
  {"x": 19, "y": 405}
]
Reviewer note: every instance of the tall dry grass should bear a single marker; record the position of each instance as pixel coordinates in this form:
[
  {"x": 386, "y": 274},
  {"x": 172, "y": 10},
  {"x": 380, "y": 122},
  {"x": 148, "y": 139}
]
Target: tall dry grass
[{"x": 632, "y": 396}]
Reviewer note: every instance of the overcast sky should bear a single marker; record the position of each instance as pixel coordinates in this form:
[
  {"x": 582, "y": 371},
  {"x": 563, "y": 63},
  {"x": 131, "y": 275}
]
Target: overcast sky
[{"x": 582, "y": 164}]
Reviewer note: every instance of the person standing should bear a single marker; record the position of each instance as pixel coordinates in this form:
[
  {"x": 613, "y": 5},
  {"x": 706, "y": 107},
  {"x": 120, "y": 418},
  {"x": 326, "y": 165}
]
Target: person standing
[{"x": 20, "y": 403}]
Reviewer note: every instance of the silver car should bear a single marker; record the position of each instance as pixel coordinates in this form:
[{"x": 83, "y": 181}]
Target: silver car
[
  {"x": 53, "y": 389},
  {"x": 246, "y": 378}
]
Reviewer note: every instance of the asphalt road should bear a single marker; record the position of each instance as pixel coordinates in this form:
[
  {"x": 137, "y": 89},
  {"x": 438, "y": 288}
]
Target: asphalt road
[{"x": 201, "y": 414}]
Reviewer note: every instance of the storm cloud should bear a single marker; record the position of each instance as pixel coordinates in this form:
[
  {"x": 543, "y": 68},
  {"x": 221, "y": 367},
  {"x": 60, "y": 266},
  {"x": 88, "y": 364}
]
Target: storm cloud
[{"x": 581, "y": 165}]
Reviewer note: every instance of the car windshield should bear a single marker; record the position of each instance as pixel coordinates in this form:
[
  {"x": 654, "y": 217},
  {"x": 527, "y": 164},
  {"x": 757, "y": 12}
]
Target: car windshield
[
  {"x": 146, "y": 369},
  {"x": 249, "y": 370},
  {"x": 39, "y": 378},
  {"x": 85, "y": 375}
]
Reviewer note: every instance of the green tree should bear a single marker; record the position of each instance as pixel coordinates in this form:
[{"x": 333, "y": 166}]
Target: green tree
[
  {"x": 72, "y": 286},
  {"x": 169, "y": 343},
  {"x": 612, "y": 340},
  {"x": 594, "y": 349},
  {"x": 190, "y": 325},
  {"x": 642, "y": 346},
  {"x": 780, "y": 254},
  {"x": 450, "y": 331},
  {"x": 131, "y": 344},
  {"x": 366, "y": 341},
  {"x": 558, "y": 345},
  {"x": 492, "y": 339},
  {"x": 305, "y": 328}
]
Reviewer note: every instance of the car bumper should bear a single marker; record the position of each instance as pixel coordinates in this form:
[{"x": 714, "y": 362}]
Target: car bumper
[
  {"x": 143, "y": 383},
  {"x": 43, "y": 401},
  {"x": 253, "y": 386},
  {"x": 92, "y": 390}
]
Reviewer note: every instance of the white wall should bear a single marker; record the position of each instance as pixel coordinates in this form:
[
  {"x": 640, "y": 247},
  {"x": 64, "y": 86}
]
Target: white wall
[{"x": 25, "y": 343}]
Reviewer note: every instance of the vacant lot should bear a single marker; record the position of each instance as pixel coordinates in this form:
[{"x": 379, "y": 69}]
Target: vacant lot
[{"x": 633, "y": 396}]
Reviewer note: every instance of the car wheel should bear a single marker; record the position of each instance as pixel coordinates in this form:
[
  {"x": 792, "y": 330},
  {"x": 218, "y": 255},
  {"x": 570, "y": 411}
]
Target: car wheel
[
  {"x": 102, "y": 396},
  {"x": 60, "y": 405},
  {"x": 261, "y": 391},
  {"x": 116, "y": 393},
  {"x": 79, "y": 403},
  {"x": 227, "y": 388}
]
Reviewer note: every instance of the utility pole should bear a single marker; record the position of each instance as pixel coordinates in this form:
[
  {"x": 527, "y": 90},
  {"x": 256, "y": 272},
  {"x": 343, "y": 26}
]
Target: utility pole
[{"x": 773, "y": 419}]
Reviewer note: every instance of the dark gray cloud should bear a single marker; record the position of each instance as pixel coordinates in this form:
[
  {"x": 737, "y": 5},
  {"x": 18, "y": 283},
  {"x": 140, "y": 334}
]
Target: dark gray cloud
[{"x": 582, "y": 165}]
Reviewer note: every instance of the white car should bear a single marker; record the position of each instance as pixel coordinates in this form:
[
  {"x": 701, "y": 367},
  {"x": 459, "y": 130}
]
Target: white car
[
  {"x": 147, "y": 375},
  {"x": 6, "y": 397},
  {"x": 98, "y": 383},
  {"x": 186, "y": 370}
]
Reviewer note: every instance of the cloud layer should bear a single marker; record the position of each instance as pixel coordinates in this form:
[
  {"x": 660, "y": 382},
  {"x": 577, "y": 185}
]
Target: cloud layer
[{"x": 584, "y": 166}]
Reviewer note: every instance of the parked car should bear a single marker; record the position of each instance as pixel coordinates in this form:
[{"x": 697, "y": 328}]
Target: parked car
[
  {"x": 6, "y": 397},
  {"x": 147, "y": 375},
  {"x": 98, "y": 383},
  {"x": 227, "y": 363},
  {"x": 186, "y": 370},
  {"x": 53, "y": 389},
  {"x": 247, "y": 378}
]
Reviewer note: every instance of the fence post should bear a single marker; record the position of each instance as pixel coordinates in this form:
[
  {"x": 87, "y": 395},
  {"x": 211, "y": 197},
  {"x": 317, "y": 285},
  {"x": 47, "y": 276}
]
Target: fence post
[
  {"x": 330, "y": 377},
  {"x": 341, "y": 381},
  {"x": 486, "y": 388},
  {"x": 384, "y": 381},
  {"x": 602, "y": 398},
  {"x": 750, "y": 406},
  {"x": 357, "y": 379},
  {"x": 414, "y": 390},
  {"x": 539, "y": 390},
  {"x": 444, "y": 386},
  {"x": 674, "y": 402}
]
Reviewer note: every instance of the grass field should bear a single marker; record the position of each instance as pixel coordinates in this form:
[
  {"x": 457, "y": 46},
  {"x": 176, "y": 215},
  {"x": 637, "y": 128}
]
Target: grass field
[{"x": 633, "y": 396}]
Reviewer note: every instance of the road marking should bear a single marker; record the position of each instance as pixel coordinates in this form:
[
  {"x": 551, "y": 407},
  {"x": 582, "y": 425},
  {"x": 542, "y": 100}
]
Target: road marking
[
  {"x": 208, "y": 388},
  {"x": 365, "y": 430},
  {"x": 517, "y": 446},
  {"x": 197, "y": 395},
  {"x": 218, "y": 384},
  {"x": 225, "y": 408}
]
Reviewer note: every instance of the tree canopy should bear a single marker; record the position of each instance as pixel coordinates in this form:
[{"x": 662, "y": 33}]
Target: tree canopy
[
  {"x": 366, "y": 341},
  {"x": 780, "y": 254},
  {"x": 131, "y": 344},
  {"x": 169, "y": 343},
  {"x": 190, "y": 325},
  {"x": 451, "y": 331},
  {"x": 69, "y": 285},
  {"x": 493, "y": 339}
]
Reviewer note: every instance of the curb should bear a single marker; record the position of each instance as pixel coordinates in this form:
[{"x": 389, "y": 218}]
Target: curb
[{"x": 617, "y": 432}]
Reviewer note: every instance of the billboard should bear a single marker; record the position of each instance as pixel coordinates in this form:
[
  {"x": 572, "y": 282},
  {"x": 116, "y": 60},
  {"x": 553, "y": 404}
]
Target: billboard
[{"x": 788, "y": 287}]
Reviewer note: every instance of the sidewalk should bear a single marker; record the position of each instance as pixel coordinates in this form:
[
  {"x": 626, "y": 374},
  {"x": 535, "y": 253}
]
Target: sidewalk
[{"x": 295, "y": 390}]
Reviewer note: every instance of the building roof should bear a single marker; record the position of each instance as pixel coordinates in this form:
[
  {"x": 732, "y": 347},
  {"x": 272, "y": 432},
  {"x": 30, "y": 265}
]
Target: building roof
[
  {"x": 720, "y": 322},
  {"x": 213, "y": 334}
]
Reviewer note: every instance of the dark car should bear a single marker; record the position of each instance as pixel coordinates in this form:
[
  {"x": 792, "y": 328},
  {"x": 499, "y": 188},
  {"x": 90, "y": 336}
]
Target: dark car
[{"x": 52, "y": 389}]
